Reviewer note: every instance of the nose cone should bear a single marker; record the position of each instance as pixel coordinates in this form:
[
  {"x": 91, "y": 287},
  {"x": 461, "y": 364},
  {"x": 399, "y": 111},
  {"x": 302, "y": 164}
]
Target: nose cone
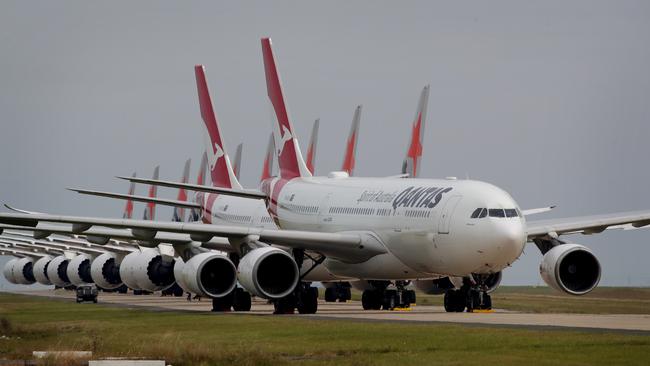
[{"x": 509, "y": 240}]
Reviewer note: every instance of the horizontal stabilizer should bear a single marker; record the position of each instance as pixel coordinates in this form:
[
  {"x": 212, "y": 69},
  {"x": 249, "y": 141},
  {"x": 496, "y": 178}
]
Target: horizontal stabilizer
[
  {"x": 244, "y": 193},
  {"x": 159, "y": 201}
]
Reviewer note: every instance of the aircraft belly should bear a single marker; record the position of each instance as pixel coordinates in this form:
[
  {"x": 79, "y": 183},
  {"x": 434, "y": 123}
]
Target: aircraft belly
[{"x": 381, "y": 267}]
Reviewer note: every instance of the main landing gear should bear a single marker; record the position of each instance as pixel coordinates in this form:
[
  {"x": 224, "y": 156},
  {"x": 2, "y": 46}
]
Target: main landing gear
[
  {"x": 304, "y": 299},
  {"x": 237, "y": 300},
  {"x": 387, "y": 296},
  {"x": 338, "y": 291},
  {"x": 472, "y": 296}
]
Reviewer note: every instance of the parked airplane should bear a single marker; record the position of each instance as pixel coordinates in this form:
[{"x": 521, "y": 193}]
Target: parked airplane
[{"x": 385, "y": 230}]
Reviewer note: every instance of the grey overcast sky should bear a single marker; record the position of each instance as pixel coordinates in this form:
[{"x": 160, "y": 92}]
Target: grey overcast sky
[{"x": 549, "y": 100}]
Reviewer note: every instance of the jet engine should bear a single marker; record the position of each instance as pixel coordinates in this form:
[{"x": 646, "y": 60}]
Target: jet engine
[
  {"x": 40, "y": 270},
  {"x": 570, "y": 268},
  {"x": 79, "y": 270},
  {"x": 105, "y": 271},
  {"x": 126, "y": 271},
  {"x": 207, "y": 274},
  {"x": 268, "y": 272},
  {"x": 23, "y": 270},
  {"x": 57, "y": 271},
  {"x": 148, "y": 270},
  {"x": 8, "y": 270}
]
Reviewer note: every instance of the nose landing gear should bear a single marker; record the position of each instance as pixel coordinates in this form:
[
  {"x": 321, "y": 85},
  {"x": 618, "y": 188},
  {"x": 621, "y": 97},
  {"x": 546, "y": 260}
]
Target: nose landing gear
[{"x": 473, "y": 296}]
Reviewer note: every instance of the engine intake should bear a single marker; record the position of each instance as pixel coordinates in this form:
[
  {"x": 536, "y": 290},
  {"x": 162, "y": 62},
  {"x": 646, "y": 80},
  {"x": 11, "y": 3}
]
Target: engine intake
[
  {"x": 79, "y": 270},
  {"x": 570, "y": 268},
  {"x": 57, "y": 271},
  {"x": 105, "y": 271},
  {"x": 207, "y": 274},
  {"x": 268, "y": 272}
]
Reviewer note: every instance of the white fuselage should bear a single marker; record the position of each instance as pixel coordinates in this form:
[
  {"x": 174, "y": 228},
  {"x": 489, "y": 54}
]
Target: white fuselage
[{"x": 425, "y": 224}]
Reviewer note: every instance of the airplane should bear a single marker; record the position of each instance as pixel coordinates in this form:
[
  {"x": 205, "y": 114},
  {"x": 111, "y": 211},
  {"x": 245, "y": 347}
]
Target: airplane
[
  {"x": 311, "y": 149},
  {"x": 385, "y": 230}
]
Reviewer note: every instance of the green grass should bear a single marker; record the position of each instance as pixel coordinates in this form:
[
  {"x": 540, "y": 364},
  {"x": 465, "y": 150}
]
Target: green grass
[{"x": 228, "y": 339}]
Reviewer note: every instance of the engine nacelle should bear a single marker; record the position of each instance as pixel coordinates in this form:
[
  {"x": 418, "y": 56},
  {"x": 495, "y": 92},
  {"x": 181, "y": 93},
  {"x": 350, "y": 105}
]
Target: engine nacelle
[
  {"x": 207, "y": 274},
  {"x": 105, "y": 271},
  {"x": 8, "y": 270},
  {"x": 268, "y": 272},
  {"x": 57, "y": 271},
  {"x": 436, "y": 286},
  {"x": 571, "y": 268},
  {"x": 79, "y": 270},
  {"x": 149, "y": 270},
  {"x": 40, "y": 270},
  {"x": 126, "y": 271},
  {"x": 24, "y": 271}
]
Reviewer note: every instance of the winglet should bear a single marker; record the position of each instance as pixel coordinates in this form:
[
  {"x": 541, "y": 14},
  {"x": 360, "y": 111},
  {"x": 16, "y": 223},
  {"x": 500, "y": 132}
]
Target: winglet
[
  {"x": 411, "y": 164},
  {"x": 128, "y": 207},
  {"x": 179, "y": 212},
  {"x": 150, "y": 210},
  {"x": 311, "y": 150},
  {"x": 220, "y": 169},
  {"x": 290, "y": 159},
  {"x": 267, "y": 168},
  {"x": 349, "y": 159}
]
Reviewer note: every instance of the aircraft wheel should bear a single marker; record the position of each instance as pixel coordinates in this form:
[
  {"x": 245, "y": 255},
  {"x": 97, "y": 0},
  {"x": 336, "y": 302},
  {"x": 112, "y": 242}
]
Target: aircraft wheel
[
  {"x": 222, "y": 304},
  {"x": 330, "y": 294},
  {"x": 285, "y": 305},
  {"x": 241, "y": 300},
  {"x": 390, "y": 300},
  {"x": 308, "y": 301}
]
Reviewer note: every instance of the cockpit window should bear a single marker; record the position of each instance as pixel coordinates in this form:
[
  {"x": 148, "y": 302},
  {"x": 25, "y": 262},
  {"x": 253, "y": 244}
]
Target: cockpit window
[
  {"x": 496, "y": 212},
  {"x": 476, "y": 213},
  {"x": 479, "y": 213},
  {"x": 511, "y": 212}
]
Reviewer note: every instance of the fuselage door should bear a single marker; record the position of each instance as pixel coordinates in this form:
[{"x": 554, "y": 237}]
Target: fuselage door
[{"x": 446, "y": 213}]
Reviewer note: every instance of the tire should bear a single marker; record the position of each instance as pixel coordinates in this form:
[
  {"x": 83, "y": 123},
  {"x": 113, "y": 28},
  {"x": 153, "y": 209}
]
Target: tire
[
  {"x": 242, "y": 300},
  {"x": 330, "y": 294},
  {"x": 95, "y": 301},
  {"x": 390, "y": 300},
  {"x": 286, "y": 305},
  {"x": 367, "y": 300},
  {"x": 222, "y": 304}
]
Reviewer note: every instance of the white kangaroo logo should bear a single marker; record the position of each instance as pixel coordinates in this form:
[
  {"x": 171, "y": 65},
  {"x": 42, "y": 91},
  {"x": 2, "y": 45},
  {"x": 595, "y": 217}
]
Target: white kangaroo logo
[
  {"x": 286, "y": 136},
  {"x": 214, "y": 155}
]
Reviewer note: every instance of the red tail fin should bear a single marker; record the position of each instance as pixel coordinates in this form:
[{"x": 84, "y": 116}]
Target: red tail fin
[
  {"x": 289, "y": 157},
  {"x": 311, "y": 150},
  {"x": 220, "y": 168},
  {"x": 267, "y": 168},
  {"x": 351, "y": 149},
  {"x": 411, "y": 164},
  {"x": 128, "y": 209},
  {"x": 150, "y": 210},
  {"x": 200, "y": 179}
]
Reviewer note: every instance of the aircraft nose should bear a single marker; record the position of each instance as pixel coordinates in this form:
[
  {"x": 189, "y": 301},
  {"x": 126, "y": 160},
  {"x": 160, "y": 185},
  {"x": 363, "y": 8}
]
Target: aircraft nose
[{"x": 511, "y": 238}]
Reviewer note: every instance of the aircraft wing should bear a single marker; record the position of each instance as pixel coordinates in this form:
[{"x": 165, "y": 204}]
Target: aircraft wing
[
  {"x": 245, "y": 193},
  {"x": 586, "y": 224},
  {"x": 348, "y": 247},
  {"x": 158, "y": 201}
]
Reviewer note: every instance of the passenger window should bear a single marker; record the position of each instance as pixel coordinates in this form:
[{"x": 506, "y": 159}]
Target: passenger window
[
  {"x": 511, "y": 212},
  {"x": 496, "y": 212}
]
